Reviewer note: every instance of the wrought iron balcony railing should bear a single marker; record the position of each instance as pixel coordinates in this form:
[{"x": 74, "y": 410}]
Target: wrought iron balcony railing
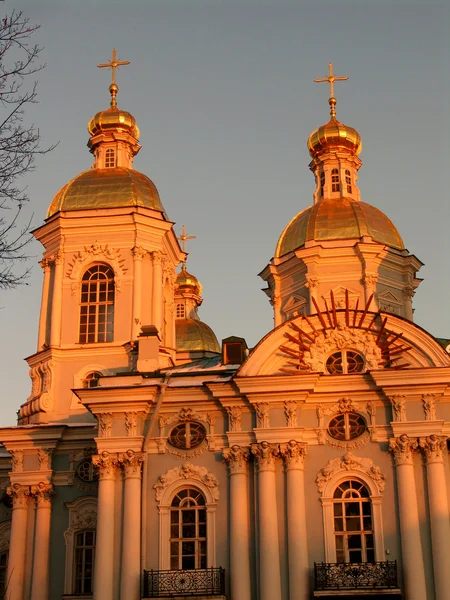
[
  {"x": 356, "y": 576},
  {"x": 198, "y": 582}
]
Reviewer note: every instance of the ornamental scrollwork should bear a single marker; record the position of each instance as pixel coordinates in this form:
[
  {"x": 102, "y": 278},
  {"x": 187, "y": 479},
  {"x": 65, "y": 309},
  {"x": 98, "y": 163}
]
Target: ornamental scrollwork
[
  {"x": 96, "y": 252},
  {"x": 184, "y": 472},
  {"x": 186, "y": 414},
  {"x": 262, "y": 415},
  {"x": 293, "y": 453},
  {"x": 265, "y": 455},
  {"x": 44, "y": 458},
  {"x": 16, "y": 460},
  {"x": 433, "y": 447},
  {"x": 398, "y": 402},
  {"x": 290, "y": 412},
  {"x": 350, "y": 462},
  {"x": 131, "y": 462},
  {"x": 234, "y": 418},
  {"x": 43, "y": 493},
  {"x": 402, "y": 449},
  {"x": 19, "y": 494},
  {"x": 104, "y": 424},
  {"x": 237, "y": 459},
  {"x": 429, "y": 406},
  {"x": 106, "y": 463},
  {"x": 131, "y": 423}
]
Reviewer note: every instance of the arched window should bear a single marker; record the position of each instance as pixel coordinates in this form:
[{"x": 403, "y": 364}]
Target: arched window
[
  {"x": 84, "y": 556},
  {"x": 348, "y": 181},
  {"x": 188, "y": 530},
  {"x": 97, "y": 305},
  {"x": 353, "y": 527},
  {"x": 322, "y": 183},
  {"x": 3, "y": 571},
  {"x": 91, "y": 379},
  {"x": 181, "y": 311},
  {"x": 110, "y": 158},
  {"x": 335, "y": 185}
]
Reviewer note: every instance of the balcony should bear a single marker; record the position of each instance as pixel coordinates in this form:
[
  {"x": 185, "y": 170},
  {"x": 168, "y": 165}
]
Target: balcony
[
  {"x": 375, "y": 580},
  {"x": 176, "y": 584}
]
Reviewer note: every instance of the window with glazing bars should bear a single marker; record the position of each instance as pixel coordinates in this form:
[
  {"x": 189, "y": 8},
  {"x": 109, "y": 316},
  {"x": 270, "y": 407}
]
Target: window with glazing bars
[
  {"x": 353, "y": 529},
  {"x": 97, "y": 305},
  {"x": 322, "y": 183},
  {"x": 188, "y": 530},
  {"x": 110, "y": 158},
  {"x": 335, "y": 185},
  {"x": 84, "y": 557},
  {"x": 3, "y": 570},
  {"x": 181, "y": 311},
  {"x": 348, "y": 181}
]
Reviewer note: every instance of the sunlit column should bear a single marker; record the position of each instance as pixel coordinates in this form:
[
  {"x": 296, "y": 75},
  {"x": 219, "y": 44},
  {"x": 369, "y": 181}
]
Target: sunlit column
[
  {"x": 408, "y": 294},
  {"x": 370, "y": 286},
  {"x": 42, "y": 337},
  {"x": 433, "y": 448},
  {"x": 138, "y": 255},
  {"x": 55, "y": 332},
  {"x": 131, "y": 540},
  {"x": 294, "y": 455},
  {"x": 240, "y": 578},
  {"x": 17, "y": 547},
  {"x": 104, "y": 551},
  {"x": 40, "y": 580},
  {"x": 402, "y": 449},
  {"x": 269, "y": 553},
  {"x": 157, "y": 292}
]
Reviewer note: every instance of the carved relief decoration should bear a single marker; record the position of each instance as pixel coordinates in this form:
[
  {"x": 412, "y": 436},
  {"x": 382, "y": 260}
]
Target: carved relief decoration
[
  {"x": 19, "y": 494},
  {"x": 402, "y": 449},
  {"x": 131, "y": 462},
  {"x": 187, "y": 472},
  {"x": 265, "y": 455},
  {"x": 294, "y": 454},
  {"x": 237, "y": 459},
  {"x": 262, "y": 415},
  {"x": 234, "y": 418},
  {"x": 355, "y": 464},
  {"x": 44, "y": 458},
  {"x": 104, "y": 425},
  {"x": 43, "y": 493},
  {"x": 40, "y": 398},
  {"x": 433, "y": 447},
  {"x": 312, "y": 341},
  {"x": 398, "y": 402},
  {"x": 16, "y": 460},
  {"x": 290, "y": 412},
  {"x": 96, "y": 252},
  {"x": 429, "y": 406},
  {"x": 106, "y": 463},
  {"x": 131, "y": 423},
  {"x": 186, "y": 414}
]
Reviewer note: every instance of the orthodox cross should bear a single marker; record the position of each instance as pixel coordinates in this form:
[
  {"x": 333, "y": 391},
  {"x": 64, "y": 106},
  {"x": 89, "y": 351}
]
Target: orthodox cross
[
  {"x": 113, "y": 64},
  {"x": 182, "y": 238},
  {"x": 331, "y": 79}
]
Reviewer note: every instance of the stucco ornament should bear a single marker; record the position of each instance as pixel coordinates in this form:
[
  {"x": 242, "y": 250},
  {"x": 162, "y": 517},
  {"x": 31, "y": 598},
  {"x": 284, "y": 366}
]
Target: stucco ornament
[
  {"x": 237, "y": 459},
  {"x": 131, "y": 423},
  {"x": 132, "y": 462},
  {"x": 17, "y": 460},
  {"x": 104, "y": 424},
  {"x": 262, "y": 415},
  {"x": 19, "y": 494},
  {"x": 185, "y": 415},
  {"x": 429, "y": 406},
  {"x": 343, "y": 337},
  {"x": 184, "y": 472},
  {"x": 43, "y": 493},
  {"x": 234, "y": 418},
  {"x": 398, "y": 402},
  {"x": 350, "y": 462},
  {"x": 290, "y": 412},
  {"x": 44, "y": 457},
  {"x": 402, "y": 449},
  {"x": 433, "y": 447},
  {"x": 265, "y": 455},
  {"x": 106, "y": 463},
  {"x": 294, "y": 454},
  {"x": 96, "y": 251}
]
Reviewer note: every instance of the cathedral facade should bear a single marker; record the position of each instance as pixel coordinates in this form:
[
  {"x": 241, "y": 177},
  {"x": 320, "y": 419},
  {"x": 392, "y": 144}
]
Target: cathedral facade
[{"x": 151, "y": 461}]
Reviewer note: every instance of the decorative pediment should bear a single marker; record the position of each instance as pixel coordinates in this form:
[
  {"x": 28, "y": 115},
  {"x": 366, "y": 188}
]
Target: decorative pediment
[
  {"x": 96, "y": 252},
  {"x": 388, "y": 302},
  {"x": 349, "y": 463},
  {"x": 187, "y": 473},
  {"x": 294, "y": 304},
  {"x": 340, "y": 294}
]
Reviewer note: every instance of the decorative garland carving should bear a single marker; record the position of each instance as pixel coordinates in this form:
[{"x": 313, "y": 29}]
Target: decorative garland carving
[
  {"x": 104, "y": 424},
  {"x": 433, "y": 447},
  {"x": 429, "y": 406},
  {"x": 402, "y": 449},
  {"x": 294, "y": 454},
  {"x": 96, "y": 252},
  {"x": 185, "y": 415},
  {"x": 265, "y": 455},
  {"x": 16, "y": 460},
  {"x": 44, "y": 458},
  {"x": 131, "y": 423},
  {"x": 234, "y": 418},
  {"x": 362, "y": 441},
  {"x": 350, "y": 462},
  {"x": 237, "y": 459},
  {"x": 290, "y": 411},
  {"x": 187, "y": 471},
  {"x": 262, "y": 415},
  {"x": 398, "y": 402}
]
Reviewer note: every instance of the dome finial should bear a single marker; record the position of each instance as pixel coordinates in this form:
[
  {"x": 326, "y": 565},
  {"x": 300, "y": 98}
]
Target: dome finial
[
  {"x": 113, "y": 64},
  {"x": 331, "y": 79},
  {"x": 182, "y": 238}
]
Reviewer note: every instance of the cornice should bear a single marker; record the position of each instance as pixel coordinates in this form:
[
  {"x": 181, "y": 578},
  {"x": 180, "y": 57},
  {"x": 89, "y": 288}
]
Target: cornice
[
  {"x": 30, "y": 477},
  {"x": 279, "y": 434},
  {"x": 417, "y": 428},
  {"x": 120, "y": 444},
  {"x": 118, "y": 399},
  {"x": 26, "y": 437},
  {"x": 266, "y": 384}
]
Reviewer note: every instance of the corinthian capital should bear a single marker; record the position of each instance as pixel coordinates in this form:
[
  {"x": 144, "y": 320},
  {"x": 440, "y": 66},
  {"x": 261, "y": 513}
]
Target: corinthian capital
[
  {"x": 402, "y": 449},
  {"x": 19, "y": 494},
  {"x": 433, "y": 447},
  {"x": 237, "y": 459},
  {"x": 43, "y": 493},
  {"x": 265, "y": 456},
  {"x": 138, "y": 252},
  {"x": 132, "y": 463},
  {"x": 294, "y": 454},
  {"x": 106, "y": 463}
]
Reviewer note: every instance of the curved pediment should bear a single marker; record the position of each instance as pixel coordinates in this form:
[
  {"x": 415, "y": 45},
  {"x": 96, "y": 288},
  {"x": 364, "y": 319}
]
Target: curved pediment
[{"x": 304, "y": 344}]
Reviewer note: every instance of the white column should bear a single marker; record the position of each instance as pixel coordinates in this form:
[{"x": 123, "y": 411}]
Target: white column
[
  {"x": 131, "y": 541},
  {"x": 104, "y": 552},
  {"x": 17, "y": 547},
  {"x": 240, "y": 576},
  {"x": 269, "y": 553},
  {"x": 433, "y": 448},
  {"x": 40, "y": 579},
  {"x": 42, "y": 337},
  {"x": 408, "y": 294},
  {"x": 294, "y": 455},
  {"x": 157, "y": 292},
  {"x": 413, "y": 568},
  {"x": 138, "y": 255},
  {"x": 55, "y": 332}
]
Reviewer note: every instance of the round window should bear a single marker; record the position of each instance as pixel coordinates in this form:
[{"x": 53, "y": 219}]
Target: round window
[
  {"x": 347, "y": 426},
  {"x": 86, "y": 471},
  {"x": 187, "y": 435},
  {"x": 344, "y": 362}
]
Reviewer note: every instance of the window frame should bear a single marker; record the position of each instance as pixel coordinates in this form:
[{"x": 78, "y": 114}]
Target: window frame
[
  {"x": 188, "y": 504},
  {"x": 83, "y": 547},
  {"x": 335, "y": 180},
  {"x": 102, "y": 308},
  {"x": 82, "y": 516},
  {"x": 110, "y": 158},
  {"x": 344, "y": 361}
]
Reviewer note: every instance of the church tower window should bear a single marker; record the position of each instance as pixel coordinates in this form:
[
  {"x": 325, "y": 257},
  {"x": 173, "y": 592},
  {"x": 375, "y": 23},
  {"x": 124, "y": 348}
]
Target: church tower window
[
  {"x": 335, "y": 182},
  {"x": 181, "y": 311},
  {"x": 347, "y": 426},
  {"x": 110, "y": 159},
  {"x": 322, "y": 183},
  {"x": 187, "y": 435},
  {"x": 353, "y": 529},
  {"x": 348, "y": 181},
  {"x": 345, "y": 362},
  {"x": 188, "y": 530},
  {"x": 91, "y": 379},
  {"x": 97, "y": 305},
  {"x": 84, "y": 555}
]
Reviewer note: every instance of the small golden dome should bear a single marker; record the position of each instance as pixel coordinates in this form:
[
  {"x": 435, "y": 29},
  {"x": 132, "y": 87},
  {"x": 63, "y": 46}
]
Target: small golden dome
[
  {"x": 334, "y": 136},
  {"x": 107, "y": 188},
  {"x": 338, "y": 219},
  {"x": 193, "y": 335},
  {"x": 185, "y": 281},
  {"x": 113, "y": 119}
]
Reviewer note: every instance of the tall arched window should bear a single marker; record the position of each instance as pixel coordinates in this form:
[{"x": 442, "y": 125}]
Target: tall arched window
[
  {"x": 3, "y": 571},
  {"x": 97, "y": 305},
  {"x": 188, "y": 530},
  {"x": 322, "y": 183},
  {"x": 348, "y": 181},
  {"x": 353, "y": 528},
  {"x": 110, "y": 158},
  {"x": 84, "y": 556},
  {"x": 335, "y": 185}
]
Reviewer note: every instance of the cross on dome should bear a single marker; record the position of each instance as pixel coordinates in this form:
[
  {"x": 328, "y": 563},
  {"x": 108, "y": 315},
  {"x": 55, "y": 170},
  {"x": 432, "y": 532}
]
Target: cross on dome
[
  {"x": 183, "y": 238},
  {"x": 331, "y": 79},
  {"x": 113, "y": 64}
]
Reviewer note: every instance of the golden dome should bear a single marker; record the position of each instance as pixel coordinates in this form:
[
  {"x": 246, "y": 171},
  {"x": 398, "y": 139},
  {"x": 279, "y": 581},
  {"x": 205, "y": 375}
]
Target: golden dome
[
  {"x": 107, "y": 188},
  {"x": 186, "y": 280},
  {"x": 338, "y": 219},
  {"x": 334, "y": 136},
  {"x": 193, "y": 335},
  {"x": 113, "y": 119}
]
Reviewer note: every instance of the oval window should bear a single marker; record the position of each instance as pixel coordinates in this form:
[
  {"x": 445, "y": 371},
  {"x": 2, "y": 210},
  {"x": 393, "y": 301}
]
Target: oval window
[
  {"x": 345, "y": 362},
  {"x": 86, "y": 471},
  {"x": 187, "y": 435},
  {"x": 347, "y": 426}
]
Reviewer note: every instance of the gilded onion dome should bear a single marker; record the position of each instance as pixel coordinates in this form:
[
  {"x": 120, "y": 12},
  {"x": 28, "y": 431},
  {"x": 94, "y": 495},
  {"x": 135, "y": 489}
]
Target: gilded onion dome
[
  {"x": 334, "y": 137},
  {"x": 113, "y": 119},
  {"x": 185, "y": 281}
]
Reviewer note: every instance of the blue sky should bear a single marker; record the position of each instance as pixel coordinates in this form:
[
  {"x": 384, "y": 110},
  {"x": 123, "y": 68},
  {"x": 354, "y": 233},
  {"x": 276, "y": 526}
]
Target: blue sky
[{"x": 224, "y": 97}]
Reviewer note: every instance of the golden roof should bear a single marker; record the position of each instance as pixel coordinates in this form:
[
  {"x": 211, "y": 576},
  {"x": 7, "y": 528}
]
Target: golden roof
[
  {"x": 334, "y": 136},
  {"x": 185, "y": 279},
  {"x": 107, "y": 188},
  {"x": 113, "y": 119},
  {"x": 338, "y": 219},
  {"x": 194, "y": 335}
]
